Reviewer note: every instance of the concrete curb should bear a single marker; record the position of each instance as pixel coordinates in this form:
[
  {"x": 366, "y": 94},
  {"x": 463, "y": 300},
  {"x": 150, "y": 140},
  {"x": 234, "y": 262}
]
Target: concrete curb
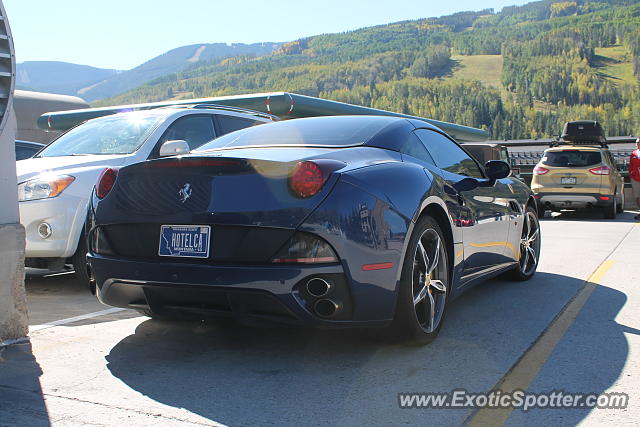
[{"x": 13, "y": 299}]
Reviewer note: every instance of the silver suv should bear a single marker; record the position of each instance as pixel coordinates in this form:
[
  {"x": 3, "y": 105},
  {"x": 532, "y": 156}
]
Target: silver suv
[{"x": 55, "y": 185}]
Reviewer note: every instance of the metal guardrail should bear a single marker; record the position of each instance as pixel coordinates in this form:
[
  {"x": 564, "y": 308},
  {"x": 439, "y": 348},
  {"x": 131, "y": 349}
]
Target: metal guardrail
[
  {"x": 531, "y": 158},
  {"x": 545, "y": 142}
]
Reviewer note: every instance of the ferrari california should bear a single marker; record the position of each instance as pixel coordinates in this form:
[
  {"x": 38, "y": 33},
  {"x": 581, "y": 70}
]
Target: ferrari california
[{"x": 347, "y": 221}]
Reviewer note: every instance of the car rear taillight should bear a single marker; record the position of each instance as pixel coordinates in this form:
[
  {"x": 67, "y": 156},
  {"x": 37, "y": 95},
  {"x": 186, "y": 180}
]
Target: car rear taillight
[
  {"x": 105, "y": 182},
  {"x": 305, "y": 248},
  {"x": 605, "y": 198},
  {"x": 602, "y": 170},
  {"x": 306, "y": 180},
  {"x": 539, "y": 170}
]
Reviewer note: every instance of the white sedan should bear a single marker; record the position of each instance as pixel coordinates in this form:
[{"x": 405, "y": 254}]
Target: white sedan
[{"x": 54, "y": 186}]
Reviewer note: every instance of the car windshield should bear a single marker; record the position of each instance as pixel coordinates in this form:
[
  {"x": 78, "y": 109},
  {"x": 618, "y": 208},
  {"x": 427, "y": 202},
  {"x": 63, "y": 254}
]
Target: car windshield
[
  {"x": 309, "y": 132},
  {"x": 571, "y": 158},
  {"x": 119, "y": 134}
]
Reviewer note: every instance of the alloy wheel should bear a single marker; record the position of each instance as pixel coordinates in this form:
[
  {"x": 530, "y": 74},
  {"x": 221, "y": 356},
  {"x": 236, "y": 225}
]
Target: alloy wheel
[
  {"x": 429, "y": 280},
  {"x": 529, "y": 244}
]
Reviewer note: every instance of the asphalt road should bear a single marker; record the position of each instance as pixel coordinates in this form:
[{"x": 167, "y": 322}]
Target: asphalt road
[{"x": 574, "y": 327}]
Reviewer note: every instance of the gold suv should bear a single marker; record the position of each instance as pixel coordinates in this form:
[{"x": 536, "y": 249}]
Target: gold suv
[{"x": 579, "y": 172}]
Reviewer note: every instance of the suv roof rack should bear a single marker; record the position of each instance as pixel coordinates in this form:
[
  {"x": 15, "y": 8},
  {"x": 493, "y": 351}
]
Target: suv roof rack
[
  {"x": 581, "y": 132},
  {"x": 560, "y": 142},
  {"x": 225, "y": 108}
]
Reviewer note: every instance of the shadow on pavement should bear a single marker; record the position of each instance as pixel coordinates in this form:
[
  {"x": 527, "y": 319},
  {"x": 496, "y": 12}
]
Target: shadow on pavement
[
  {"x": 54, "y": 297},
  {"x": 589, "y": 359},
  {"x": 21, "y": 399},
  {"x": 234, "y": 374},
  {"x": 57, "y": 284}
]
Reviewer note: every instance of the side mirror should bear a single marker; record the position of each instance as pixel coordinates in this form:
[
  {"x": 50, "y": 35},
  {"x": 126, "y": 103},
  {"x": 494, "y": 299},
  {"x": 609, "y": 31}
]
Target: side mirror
[
  {"x": 175, "y": 147},
  {"x": 497, "y": 169}
]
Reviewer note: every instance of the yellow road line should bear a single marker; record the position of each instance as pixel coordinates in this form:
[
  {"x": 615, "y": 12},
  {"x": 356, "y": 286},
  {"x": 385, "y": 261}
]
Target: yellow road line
[{"x": 522, "y": 374}]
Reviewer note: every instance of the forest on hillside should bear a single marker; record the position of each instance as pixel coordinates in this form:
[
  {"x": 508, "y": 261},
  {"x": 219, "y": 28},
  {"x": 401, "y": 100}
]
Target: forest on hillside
[{"x": 551, "y": 71}]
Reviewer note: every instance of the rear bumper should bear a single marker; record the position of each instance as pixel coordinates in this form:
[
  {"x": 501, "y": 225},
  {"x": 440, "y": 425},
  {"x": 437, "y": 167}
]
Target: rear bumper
[
  {"x": 572, "y": 200},
  {"x": 274, "y": 293}
]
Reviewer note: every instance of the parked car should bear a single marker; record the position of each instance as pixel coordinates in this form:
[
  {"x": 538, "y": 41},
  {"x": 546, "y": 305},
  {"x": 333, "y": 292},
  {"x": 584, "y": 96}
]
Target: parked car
[
  {"x": 483, "y": 152},
  {"x": 346, "y": 221},
  {"x": 55, "y": 186},
  {"x": 579, "y": 172},
  {"x": 26, "y": 149}
]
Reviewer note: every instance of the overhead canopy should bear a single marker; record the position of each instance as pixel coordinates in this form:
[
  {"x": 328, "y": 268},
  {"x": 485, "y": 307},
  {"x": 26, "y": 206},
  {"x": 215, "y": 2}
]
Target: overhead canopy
[
  {"x": 282, "y": 104},
  {"x": 29, "y": 105}
]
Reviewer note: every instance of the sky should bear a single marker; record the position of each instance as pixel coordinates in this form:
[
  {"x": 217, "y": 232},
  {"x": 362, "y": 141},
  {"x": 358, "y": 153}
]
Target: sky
[{"x": 122, "y": 34}]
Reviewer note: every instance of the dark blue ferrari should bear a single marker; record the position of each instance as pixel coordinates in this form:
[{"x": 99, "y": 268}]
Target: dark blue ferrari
[{"x": 350, "y": 221}]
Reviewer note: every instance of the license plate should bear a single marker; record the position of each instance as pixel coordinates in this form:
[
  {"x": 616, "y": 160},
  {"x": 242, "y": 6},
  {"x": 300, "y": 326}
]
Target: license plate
[
  {"x": 185, "y": 241},
  {"x": 570, "y": 180}
]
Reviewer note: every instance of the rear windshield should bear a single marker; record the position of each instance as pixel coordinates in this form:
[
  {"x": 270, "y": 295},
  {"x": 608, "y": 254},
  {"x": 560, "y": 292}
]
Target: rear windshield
[
  {"x": 310, "y": 132},
  {"x": 571, "y": 158},
  {"x": 118, "y": 134}
]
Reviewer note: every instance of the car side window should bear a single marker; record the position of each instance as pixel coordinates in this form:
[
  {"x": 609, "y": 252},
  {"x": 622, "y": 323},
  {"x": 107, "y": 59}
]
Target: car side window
[
  {"x": 227, "y": 124},
  {"x": 412, "y": 146},
  {"x": 25, "y": 152},
  {"x": 196, "y": 130},
  {"x": 448, "y": 155}
]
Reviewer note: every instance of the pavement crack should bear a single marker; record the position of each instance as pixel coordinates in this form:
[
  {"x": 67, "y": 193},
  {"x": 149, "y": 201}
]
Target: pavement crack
[{"x": 121, "y": 408}]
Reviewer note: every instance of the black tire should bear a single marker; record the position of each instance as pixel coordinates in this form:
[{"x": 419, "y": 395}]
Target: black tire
[
  {"x": 620, "y": 206},
  {"x": 611, "y": 211},
  {"x": 542, "y": 210},
  {"x": 528, "y": 266},
  {"x": 408, "y": 326},
  {"x": 79, "y": 262}
]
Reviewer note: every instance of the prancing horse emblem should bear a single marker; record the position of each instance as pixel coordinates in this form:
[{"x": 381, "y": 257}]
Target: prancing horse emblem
[{"x": 185, "y": 192}]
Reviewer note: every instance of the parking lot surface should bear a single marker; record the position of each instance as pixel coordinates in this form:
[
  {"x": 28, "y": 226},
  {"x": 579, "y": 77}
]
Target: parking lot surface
[{"x": 574, "y": 327}]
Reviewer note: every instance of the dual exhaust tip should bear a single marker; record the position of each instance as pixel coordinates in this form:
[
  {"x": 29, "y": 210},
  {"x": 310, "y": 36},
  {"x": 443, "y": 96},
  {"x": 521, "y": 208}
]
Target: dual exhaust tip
[
  {"x": 320, "y": 288},
  {"x": 326, "y": 308}
]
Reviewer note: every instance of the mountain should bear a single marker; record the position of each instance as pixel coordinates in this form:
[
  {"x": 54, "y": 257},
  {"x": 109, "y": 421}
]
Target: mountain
[
  {"x": 520, "y": 73},
  {"x": 58, "y": 77},
  {"x": 94, "y": 83},
  {"x": 170, "y": 62}
]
